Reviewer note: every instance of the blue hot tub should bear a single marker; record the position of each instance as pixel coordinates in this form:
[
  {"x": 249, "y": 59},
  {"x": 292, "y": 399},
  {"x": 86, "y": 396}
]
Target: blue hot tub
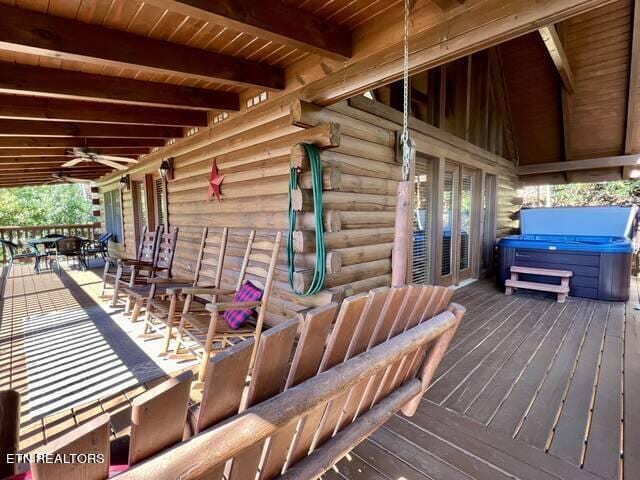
[{"x": 592, "y": 242}]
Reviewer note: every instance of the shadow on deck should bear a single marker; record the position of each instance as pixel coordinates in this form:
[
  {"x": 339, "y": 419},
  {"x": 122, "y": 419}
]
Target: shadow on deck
[{"x": 529, "y": 389}]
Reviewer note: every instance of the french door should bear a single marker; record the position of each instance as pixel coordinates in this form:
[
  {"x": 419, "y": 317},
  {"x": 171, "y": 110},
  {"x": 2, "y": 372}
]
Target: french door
[{"x": 457, "y": 232}]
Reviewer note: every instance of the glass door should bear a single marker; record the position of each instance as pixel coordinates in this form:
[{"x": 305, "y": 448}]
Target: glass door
[{"x": 457, "y": 234}]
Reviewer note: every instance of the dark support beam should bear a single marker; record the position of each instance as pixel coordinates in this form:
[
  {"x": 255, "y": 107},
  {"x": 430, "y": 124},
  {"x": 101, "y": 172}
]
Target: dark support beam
[
  {"x": 634, "y": 83},
  {"x": 52, "y": 82},
  {"x": 446, "y": 5},
  {"x": 43, "y": 161},
  {"x": 69, "y": 142},
  {"x": 68, "y": 152},
  {"x": 588, "y": 164},
  {"x": 42, "y": 108},
  {"x": 556, "y": 51},
  {"x": 271, "y": 20},
  {"x": 35, "y": 170},
  {"x": 42, "y": 34},
  {"x": 34, "y": 128}
]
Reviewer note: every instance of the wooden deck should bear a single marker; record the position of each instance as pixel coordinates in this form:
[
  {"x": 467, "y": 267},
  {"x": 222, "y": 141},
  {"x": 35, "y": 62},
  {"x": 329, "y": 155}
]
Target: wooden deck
[{"x": 530, "y": 389}]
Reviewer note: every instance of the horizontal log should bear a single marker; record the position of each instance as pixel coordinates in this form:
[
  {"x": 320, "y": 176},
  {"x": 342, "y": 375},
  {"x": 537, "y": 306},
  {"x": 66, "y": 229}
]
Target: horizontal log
[
  {"x": 375, "y": 186},
  {"x": 325, "y": 135},
  {"x": 304, "y": 241},
  {"x": 333, "y": 262},
  {"x": 348, "y": 164},
  {"x": 331, "y": 179},
  {"x": 42, "y": 108},
  {"x": 365, "y": 253},
  {"x": 194, "y": 204},
  {"x": 348, "y": 274},
  {"x": 305, "y": 114},
  {"x": 350, "y": 220},
  {"x": 361, "y": 148},
  {"x": 366, "y": 285},
  {"x": 192, "y": 188},
  {"x": 347, "y": 201}
]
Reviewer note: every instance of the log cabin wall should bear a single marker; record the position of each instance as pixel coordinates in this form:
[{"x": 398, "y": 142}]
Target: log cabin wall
[{"x": 358, "y": 151}]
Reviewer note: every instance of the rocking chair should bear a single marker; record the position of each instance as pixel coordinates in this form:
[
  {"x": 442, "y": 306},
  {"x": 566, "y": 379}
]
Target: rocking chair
[{"x": 206, "y": 330}]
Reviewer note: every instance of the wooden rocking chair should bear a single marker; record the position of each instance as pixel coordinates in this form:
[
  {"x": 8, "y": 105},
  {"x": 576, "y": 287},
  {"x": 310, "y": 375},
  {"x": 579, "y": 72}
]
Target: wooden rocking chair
[
  {"x": 208, "y": 329},
  {"x": 146, "y": 250},
  {"x": 138, "y": 287},
  {"x": 165, "y": 303},
  {"x": 132, "y": 274}
]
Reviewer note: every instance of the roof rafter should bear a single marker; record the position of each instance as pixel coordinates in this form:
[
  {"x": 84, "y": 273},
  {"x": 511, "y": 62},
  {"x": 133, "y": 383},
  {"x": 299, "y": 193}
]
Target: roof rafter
[
  {"x": 271, "y": 20},
  {"x": 42, "y": 108},
  {"x": 35, "y": 128},
  {"x": 38, "y": 33},
  {"x": 29, "y": 153},
  {"x": 58, "y": 142},
  {"x": 556, "y": 51},
  {"x": 52, "y": 82}
]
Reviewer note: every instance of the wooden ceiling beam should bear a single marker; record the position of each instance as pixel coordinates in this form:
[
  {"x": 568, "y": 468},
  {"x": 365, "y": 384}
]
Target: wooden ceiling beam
[
  {"x": 446, "y": 5},
  {"x": 572, "y": 165},
  {"x": 556, "y": 51},
  {"x": 53, "y": 82},
  {"x": 38, "y": 33},
  {"x": 67, "y": 152},
  {"x": 634, "y": 86},
  {"x": 270, "y": 20},
  {"x": 34, "y": 128},
  {"x": 69, "y": 142},
  {"x": 35, "y": 169},
  {"x": 42, "y": 108}
]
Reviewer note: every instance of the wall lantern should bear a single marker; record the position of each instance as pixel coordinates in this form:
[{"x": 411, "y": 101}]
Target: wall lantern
[
  {"x": 125, "y": 183},
  {"x": 166, "y": 168}
]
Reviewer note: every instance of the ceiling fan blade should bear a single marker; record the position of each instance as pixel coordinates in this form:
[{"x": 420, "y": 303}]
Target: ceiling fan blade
[
  {"x": 111, "y": 164},
  {"x": 76, "y": 180},
  {"x": 73, "y": 162},
  {"x": 118, "y": 159}
]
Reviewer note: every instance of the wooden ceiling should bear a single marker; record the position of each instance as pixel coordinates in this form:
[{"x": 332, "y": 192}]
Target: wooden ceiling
[{"x": 123, "y": 76}]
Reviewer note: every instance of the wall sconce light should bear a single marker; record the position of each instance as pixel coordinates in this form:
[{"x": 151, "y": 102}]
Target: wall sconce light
[
  {"x": 125, "y": 183},
  {"x": 166, "y": 168}
]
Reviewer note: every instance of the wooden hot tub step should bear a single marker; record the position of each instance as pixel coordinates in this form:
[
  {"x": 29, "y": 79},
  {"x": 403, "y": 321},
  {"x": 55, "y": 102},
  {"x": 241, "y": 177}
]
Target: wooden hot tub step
[
  {"x": 542, "y": 271},
  {"x": 561, "y": 290}
]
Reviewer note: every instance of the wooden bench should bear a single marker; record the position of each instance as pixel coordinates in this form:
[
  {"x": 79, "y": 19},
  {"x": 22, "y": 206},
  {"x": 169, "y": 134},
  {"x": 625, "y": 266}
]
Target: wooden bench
[{"x": 562, "y": 290}]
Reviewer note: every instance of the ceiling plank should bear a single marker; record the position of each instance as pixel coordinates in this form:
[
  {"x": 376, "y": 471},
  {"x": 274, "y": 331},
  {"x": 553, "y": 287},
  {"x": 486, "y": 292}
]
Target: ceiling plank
[
  {"x": 270, "y": 20},
  {"x": 572, "y": 165},
  {"x": 42, "y": 108},
  {"x": 446, "y": 5},
  {"x": 58, "y": 142},
  {"x": 556, "y": 51},
  {"x": 634, "y": 84},
  {"x": 42, "y": 34},
  {"x": 52, "y": 82},
  {"x": 34, "y": 128},
  {"x": 67, "y": 152}
]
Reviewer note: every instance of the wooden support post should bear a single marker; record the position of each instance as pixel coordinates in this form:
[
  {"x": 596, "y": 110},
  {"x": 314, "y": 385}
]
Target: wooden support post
[
  {"x": 9, "y": 430},
  {"x": 433, "y": 359},
  {"x": 400, "y": 253}
]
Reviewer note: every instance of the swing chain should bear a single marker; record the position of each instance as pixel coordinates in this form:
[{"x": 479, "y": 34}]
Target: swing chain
[{"x": 404, "y": 137}]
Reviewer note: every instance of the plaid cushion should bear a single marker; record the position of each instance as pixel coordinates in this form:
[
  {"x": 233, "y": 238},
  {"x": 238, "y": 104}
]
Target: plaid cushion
[{"x": 247, "y": 293}]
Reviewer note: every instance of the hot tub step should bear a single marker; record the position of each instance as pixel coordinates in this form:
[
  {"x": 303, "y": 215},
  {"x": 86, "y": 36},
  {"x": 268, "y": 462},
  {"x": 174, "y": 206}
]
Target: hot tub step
[
  {"x": 542, "y": 271},
  {"x": 561, "y": 290}
]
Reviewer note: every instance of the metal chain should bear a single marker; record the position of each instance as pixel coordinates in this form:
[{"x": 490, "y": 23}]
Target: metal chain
[{"x": 404, "y": 137}]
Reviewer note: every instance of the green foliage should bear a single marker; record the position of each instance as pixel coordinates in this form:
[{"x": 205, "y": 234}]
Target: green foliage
[
  {"x": 45, "y": 205},
  {"x": 583, "y": 194}
]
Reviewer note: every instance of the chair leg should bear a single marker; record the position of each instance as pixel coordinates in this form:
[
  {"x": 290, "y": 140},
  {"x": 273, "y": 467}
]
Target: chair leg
[
  {"x": 114, "y": 298},
  {"x": 136, "y": 309},
  {"x": 104, "y": 279},
  {"x": 207, "y": 347}
]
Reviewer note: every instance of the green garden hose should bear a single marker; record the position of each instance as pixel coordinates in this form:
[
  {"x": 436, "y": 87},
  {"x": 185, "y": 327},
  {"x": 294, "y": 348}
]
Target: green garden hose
[{"x": 319, "y": 272}]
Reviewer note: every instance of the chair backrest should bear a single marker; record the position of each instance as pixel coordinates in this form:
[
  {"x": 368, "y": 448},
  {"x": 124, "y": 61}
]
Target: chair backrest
[
  {"x": 104, "y": 238},
  {"x": 416, "y": 326},
  {"x": 166, "y": 249},
  {"x": 69, "y": 245},
  {"x": 213, "y": 247},
  {"x": 169, "y": 402},
  {"x": 10, "y": 247},
  {"x": 149, "y": 244}
]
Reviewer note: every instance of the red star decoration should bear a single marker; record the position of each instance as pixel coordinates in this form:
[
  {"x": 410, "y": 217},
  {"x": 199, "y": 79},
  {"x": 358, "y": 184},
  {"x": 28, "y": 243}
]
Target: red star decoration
[{"x": 215, "y": 181}]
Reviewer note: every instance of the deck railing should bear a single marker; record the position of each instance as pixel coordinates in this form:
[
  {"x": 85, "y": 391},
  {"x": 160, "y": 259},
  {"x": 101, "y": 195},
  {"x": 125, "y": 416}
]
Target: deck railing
[{"x": 21, "y": 235}]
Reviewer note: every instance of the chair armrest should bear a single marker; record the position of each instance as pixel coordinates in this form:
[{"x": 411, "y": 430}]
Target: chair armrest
[
  {"x": 170, "y": 281},
  {"x": 150, "y": 268},
  {"x": 132, "y": 262},
  {"x": 222, "y": 307},
  {"x": 206, "y": 291}
]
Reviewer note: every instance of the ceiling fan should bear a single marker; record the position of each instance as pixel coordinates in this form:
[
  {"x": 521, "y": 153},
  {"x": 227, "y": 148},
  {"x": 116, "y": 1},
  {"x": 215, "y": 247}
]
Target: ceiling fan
[
  {"x": 61, "y": 178},
  {"x": 87, "y": 155}
]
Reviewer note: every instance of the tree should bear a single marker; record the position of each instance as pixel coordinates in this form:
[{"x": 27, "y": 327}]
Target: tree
[
  {"x": 583, "y": 194},
  {"x": 45, "y": 205}
]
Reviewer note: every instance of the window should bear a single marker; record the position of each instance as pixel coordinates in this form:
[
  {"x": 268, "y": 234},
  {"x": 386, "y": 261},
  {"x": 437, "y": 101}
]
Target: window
[
  {"x": 140, "y": 207},
  {"x": 113, "y": 215},
  {"x": 422, "y": 220},
  {"x": 489, "y": 222},
  {"x": 160, "y": 201},
  {"x": 192, "y": 131},
  {"x": 256, "y": 99},
  {"x": 220, "y": 117}
]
